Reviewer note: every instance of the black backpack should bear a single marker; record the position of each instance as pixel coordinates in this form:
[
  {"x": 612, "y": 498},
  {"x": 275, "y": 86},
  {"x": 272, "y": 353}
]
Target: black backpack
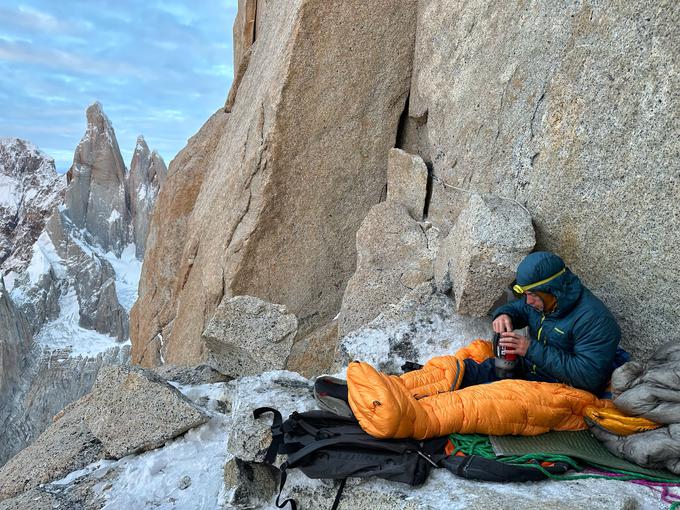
[{"x": 326, "y": 445}]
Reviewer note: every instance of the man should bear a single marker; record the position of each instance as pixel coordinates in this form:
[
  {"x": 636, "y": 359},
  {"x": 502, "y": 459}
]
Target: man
[{"x": 572, "y": 339}]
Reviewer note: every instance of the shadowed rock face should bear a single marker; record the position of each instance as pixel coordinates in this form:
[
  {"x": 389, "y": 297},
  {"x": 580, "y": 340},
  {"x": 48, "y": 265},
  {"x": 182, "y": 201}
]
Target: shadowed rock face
[
  {"x": 572, "y": 109},
  {"x": 96, "y": 198},
  {"x": 92, "y": 277},
  {"x": 29, "y": 189},
  {"x": 159, "y": 284},
  {"x": 50, "y": 380},
  {"x": 301, "y": 159},
  {"x": 15, "y": 346},
  {"x": 147, "y": 173}
]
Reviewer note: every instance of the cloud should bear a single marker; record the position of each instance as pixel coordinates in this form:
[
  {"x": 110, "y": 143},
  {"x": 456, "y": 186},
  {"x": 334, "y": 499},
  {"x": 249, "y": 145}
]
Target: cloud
[
  {"x": 66, "y": 61},
  {"x": 160, "y": 68},
  {"x": 23, "y": 16}
]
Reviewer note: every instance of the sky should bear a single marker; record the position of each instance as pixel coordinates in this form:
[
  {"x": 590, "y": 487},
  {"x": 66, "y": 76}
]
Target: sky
[{"x": 159, "y": 68}]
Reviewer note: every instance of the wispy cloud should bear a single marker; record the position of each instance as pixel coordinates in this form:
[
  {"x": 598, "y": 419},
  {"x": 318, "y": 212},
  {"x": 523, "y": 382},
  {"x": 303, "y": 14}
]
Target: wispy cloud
[
  {"x": 160, "y": 68},
  {"x": 65, "y": 61}
]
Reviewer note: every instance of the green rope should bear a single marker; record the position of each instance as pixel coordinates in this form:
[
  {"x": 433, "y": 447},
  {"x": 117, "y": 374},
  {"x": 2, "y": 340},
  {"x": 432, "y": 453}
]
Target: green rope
[
  {"x": 674, "y": 506},
  {"x": 472, "y": 444},
  {"x": 477, "y": 444},
  {"x": 480, "y": 445}
]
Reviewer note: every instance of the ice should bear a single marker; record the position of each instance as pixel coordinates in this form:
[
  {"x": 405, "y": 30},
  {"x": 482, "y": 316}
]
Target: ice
[{"x": 9, "y": 280}]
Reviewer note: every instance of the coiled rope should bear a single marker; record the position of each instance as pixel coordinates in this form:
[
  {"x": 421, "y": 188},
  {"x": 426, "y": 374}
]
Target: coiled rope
[{"x": 480, "y": 445}]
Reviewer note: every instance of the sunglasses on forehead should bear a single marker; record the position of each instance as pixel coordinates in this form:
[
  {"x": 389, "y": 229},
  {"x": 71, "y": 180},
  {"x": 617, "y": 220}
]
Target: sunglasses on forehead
[{"x": 518, "y": 290}]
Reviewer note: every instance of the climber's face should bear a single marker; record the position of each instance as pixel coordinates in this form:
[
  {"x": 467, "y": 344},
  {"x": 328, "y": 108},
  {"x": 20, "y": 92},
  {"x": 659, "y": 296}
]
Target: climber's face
[{"x": 534, "y": 301}]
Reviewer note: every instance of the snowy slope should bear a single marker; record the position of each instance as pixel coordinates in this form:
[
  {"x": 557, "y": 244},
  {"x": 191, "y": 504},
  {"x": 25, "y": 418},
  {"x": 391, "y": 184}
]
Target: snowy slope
[{"x": 30, "y": 188}]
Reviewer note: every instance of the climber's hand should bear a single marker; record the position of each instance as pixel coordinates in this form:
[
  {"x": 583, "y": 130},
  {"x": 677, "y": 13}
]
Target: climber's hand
[
  {"x": 502, "y": 323},
  {"x": 514, "y": 343}
]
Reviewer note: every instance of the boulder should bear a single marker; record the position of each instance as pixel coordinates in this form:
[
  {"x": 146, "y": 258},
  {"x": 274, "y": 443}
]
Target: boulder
[
  {"x": 480, "y": 255},
  {"x": 392, "y": 258},
  {"x": 67, "y": 445},
  {"x": 96, "y": 196},
  {"x": 313, "y": 355},
  {"x": 422, "y": 325},
  {"x": 546, "y": 108},
  {"x": 247, "y": 336},
  {"x": 407, "y": 182},
  {"x": 147, "y": 173},
  {"x": 249, "y": 438},
  {"x": 301, "y": 159},
  {"x": 132, "y": 409},
  {"x": 250, "y": 484}
]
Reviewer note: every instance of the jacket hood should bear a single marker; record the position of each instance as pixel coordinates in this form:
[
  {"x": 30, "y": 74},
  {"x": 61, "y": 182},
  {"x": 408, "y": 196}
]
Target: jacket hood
[{"x": 542, "y": 265}]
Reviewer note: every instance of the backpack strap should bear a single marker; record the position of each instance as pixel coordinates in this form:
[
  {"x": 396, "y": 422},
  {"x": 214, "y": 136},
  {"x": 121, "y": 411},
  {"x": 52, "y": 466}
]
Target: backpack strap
[
  {"x": 277, "y": 434},
  {"x": 293, "y": 505},
  {"x": 295, "y": 458},
  {"x": 338, "y": 495}
]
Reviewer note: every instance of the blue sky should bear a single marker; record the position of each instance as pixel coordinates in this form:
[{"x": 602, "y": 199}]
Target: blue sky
[{"x": 159, "y": 68}]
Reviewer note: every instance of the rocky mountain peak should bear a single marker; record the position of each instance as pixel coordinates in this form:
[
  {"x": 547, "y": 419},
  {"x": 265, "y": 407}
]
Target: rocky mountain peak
[
  {"x": 147, "y": 172},
  {"x": 29, "y": 189},
  {"x": 96, "y": 198}
]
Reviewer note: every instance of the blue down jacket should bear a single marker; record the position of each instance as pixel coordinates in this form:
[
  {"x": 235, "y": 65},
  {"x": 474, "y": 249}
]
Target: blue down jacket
[{"x": 574, "y": 344}]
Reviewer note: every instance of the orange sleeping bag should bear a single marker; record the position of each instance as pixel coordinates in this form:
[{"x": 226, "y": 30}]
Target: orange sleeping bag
[{"x": 428, "y": 402}]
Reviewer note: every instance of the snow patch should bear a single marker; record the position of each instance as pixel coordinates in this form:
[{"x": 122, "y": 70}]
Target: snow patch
[
  {"x": 141, "y": 193},
  {"x": 97, "y": 469},
  {"x": 152, "y": 479},
  {"x": 9, "y": 279},
  {"x": 128, "y": 270},
  {"x": 10, "y": 195},
  {"x": 44, "y": 258},
  {"x": 65, "y": 332},
  {"x": 114, "y": 216},
  {"x": 388, "y": 345}
]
